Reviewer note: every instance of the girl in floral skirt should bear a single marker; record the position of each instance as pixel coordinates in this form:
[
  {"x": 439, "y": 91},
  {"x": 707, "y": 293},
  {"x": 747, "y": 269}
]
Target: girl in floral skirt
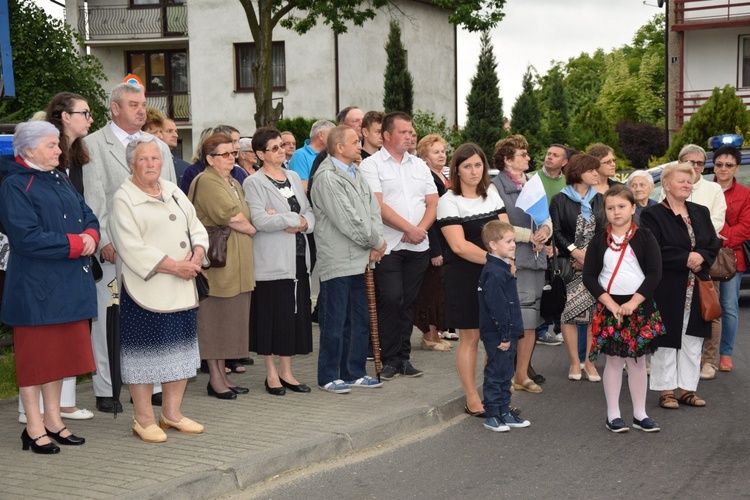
[{"x": 622, "y": 269}]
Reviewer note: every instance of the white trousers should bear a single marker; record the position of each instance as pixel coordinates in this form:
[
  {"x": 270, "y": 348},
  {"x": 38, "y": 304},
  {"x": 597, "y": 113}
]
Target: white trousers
[
  {"x": 67, "y": 396},
  {"x": 673, "y": 368}
]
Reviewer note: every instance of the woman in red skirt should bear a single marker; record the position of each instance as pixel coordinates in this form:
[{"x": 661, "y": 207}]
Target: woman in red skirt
[{"x": 49, "y": 290}]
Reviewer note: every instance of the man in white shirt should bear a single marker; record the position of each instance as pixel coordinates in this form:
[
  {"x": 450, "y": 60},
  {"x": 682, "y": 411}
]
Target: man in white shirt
[
  {"x": 102, "y": 177},
  {"x": 408, "y": 199}
]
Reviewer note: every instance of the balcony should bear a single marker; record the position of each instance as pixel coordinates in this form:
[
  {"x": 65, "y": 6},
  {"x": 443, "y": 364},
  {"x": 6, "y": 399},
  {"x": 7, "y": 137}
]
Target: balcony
[
  {"x": 174, "y": 106},
  {"x": 710, "y": 14},
  {"x": 132, "y": 23},
  {"x": 687, "y": 102}
]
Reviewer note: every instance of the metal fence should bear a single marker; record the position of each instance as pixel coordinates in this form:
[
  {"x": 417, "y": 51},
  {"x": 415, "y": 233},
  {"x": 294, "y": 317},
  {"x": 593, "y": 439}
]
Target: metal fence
[{"x": 125, "y": 22}]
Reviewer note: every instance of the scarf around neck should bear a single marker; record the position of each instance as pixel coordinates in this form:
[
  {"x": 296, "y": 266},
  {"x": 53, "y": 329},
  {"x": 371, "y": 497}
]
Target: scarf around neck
[{"x": 584, "y": 201}]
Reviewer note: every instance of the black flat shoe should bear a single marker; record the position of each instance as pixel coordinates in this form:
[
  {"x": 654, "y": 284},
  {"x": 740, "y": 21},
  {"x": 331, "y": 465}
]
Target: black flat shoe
[
  {"x": 276, "y": 391},
  {"x": 294, "y": 388},
  {"x": 478, "y": 414},
  {"x": 239, "y": 390},
  {"x": 43, "y": 449},
  {"x": 246, "y": 361},
  {"x": 220, "y": 395},
  {"x": 107, "y": 405},
  {"x": 71, "y": 440}
]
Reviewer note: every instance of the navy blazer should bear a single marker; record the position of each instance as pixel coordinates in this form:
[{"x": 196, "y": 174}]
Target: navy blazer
[{"x": 499, "y": 305}]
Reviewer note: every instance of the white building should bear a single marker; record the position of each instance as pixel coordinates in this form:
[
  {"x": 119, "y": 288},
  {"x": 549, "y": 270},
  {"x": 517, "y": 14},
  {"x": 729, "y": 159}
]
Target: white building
[
  {"x": 192, "y": 58},
  {"x": 709, "y": 46}
]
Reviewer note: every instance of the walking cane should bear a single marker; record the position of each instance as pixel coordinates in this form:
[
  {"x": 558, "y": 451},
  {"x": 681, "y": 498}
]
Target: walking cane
[{"x": 371, "y": 305}]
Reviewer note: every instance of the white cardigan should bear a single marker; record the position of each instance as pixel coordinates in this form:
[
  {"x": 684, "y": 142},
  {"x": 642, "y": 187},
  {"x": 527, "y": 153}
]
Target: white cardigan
[{"x": 145, "y": 231}]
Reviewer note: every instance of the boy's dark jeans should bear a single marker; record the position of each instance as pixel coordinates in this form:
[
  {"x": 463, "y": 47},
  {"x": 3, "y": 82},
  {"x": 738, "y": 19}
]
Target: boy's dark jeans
[{"x": 498, "y": 375}]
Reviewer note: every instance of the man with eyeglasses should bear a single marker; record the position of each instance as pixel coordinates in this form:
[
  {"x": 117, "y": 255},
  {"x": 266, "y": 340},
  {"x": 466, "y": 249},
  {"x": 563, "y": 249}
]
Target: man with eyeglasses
[
  {"x": 102, "y": 177},
  {"x": 710, "y": 195}
]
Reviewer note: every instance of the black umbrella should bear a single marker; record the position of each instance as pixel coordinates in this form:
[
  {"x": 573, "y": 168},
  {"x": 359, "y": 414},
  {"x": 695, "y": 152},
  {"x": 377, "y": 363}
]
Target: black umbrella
[{"x": 113, "y": 342}]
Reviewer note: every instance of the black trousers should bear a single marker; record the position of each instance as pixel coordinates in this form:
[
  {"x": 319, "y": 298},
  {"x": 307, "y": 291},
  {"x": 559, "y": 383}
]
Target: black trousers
[{"x": 398, "y": 279}]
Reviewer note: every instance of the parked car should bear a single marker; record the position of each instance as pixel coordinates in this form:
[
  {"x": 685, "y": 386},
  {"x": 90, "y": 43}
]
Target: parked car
[{"x": 743, "y": 177}]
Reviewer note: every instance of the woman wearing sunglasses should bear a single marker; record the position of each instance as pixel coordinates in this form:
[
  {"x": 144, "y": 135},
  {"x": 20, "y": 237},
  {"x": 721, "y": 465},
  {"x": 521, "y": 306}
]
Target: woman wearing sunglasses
[{"x": 280, "y": 316}]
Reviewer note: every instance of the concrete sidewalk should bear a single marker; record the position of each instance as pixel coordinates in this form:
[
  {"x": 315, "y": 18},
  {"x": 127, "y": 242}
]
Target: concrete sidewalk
[{"x": 248, "y": 440}]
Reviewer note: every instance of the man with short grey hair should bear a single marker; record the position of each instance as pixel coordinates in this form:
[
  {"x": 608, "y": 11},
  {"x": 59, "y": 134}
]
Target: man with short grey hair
[
  {"x": 102, "y": 177},
  {"x": 303, "y": 158}
]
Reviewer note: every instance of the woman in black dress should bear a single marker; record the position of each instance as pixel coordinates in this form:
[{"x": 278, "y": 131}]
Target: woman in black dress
[{"x": 462, "y": 213}]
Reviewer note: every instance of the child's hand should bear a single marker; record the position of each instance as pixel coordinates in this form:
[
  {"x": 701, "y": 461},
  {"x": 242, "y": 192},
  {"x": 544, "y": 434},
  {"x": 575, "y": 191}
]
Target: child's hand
[{"x": 504, "y": 346}]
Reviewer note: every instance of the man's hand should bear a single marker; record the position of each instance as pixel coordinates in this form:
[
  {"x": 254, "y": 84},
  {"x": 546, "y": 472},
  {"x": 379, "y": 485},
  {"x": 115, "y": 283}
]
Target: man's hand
[
  {"x": 108, "y": 253},
  {"x": 437, "y": 261},
  {"x": 415, "y": 235}
]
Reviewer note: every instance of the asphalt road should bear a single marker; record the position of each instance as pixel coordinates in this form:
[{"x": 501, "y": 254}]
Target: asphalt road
[{"x": 566, "y": 453}]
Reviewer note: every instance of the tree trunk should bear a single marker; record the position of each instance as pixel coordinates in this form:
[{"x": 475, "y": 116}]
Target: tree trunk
[{"x": 261, "y": 27}]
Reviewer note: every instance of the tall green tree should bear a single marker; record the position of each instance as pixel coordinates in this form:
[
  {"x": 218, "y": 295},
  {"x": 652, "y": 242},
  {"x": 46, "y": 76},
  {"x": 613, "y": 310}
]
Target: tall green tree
[
  {"x": 263, "y": 16},
  {"x": 557, "y": 120},
  {"x": 584, "y": 77},
  {"x": 484, "y": 106},
  {"x": 398, "y": 88},
  {"x": 526, "y": 118},
  {"x": 722, "y": 113},
  {"x": 46, "y": 61},
  {"x": 591, "y": 125}
]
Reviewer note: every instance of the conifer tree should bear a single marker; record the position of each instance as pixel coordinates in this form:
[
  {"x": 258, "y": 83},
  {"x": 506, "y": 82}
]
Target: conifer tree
[
  {"x": 399, "y": 86},
  {"x": 722, "y": 113},
  {"x": 526, "y": 118},
  {"x": 557, "y": 113},
  {"x": 484, "y": 118}
]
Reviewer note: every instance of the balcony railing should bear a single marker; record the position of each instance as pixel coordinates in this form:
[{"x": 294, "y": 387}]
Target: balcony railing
[
  {"x": 123, "y": 22},
  {"x": 174, "y": 106},
  {"x": 687, "y": 102},
  {"x": 696, "y": 14}
]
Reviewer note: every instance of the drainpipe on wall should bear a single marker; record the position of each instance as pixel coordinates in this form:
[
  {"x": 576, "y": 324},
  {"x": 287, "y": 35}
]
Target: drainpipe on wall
[
  {"x": 336, "y": 70},
  {"x": 455, "y": 75}
]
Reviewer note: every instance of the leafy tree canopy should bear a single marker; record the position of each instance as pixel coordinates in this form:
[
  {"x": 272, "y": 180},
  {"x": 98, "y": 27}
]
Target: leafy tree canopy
[
  {"x": 302, "y": 15},
  {"x": 46, "y": 61}
]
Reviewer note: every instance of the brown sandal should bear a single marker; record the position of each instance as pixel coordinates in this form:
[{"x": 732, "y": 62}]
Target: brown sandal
[
  {"x": 669, "y": 402},
  {"x": 690, "y": 399}
]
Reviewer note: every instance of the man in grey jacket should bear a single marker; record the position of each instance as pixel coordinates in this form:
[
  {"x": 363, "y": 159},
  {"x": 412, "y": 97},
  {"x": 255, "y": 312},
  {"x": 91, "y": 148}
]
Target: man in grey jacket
[{"x": 349, "y": 235}]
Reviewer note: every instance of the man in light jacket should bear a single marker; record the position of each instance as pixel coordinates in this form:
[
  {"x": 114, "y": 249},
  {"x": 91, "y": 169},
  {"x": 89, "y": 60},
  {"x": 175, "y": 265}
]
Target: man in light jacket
[{"x": 349, "y": 235}]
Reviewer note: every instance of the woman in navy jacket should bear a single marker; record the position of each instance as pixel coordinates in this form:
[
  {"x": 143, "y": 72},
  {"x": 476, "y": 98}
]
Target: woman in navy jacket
[{"x": 52, "y": 233}]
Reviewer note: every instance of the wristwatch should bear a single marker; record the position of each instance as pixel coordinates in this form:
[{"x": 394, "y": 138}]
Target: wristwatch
[{"x": 571, "y": 247}]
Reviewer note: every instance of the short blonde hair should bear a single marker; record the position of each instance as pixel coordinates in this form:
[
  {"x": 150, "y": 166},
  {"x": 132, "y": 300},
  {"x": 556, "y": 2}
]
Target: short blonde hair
[
  {"x": 494, "y": 230},
  {"x": 669, "y": 170}
]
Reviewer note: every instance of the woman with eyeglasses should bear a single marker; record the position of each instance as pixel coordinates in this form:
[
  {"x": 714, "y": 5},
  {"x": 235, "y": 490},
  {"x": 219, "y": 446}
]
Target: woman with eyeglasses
[
  {"x": 224, "y": 316},
  {"x": 199, "y": 164},
  {"x": 280, "y": 315},
  {"x": 512, "y": 159},
  {"x": 736, "y": 231},
  {"x": 71, "y": 115},
  {"x": 607, "y": 165}
]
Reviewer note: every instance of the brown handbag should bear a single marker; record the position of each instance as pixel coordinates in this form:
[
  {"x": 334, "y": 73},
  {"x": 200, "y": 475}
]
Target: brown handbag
[
  {"x": 217, "y": 239},
  {"x": 710, "y": 307},
  {"x": 724, "y": 267}
]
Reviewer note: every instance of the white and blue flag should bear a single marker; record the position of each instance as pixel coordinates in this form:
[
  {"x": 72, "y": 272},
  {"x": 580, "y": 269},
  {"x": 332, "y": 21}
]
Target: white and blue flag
[{"x": 533, "y": 200}]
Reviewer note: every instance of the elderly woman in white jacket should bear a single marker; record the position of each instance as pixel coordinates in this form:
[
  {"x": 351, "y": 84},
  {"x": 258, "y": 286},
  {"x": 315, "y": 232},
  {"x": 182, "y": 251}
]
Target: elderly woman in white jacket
[
  {"x": 161, "y": 245},
  {"x": 280, "y": 323}
]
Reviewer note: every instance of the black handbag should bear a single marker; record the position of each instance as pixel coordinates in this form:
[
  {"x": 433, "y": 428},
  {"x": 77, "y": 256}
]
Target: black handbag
[
  {"x": 554, "y": 295},
  {"x": 746, "y": 249},
  {"x": 201, "y": 280}
]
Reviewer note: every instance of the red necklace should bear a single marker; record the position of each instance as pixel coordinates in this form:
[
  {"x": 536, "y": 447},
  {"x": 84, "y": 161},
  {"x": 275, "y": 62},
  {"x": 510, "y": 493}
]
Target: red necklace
[{"x": 628, "y": 236}]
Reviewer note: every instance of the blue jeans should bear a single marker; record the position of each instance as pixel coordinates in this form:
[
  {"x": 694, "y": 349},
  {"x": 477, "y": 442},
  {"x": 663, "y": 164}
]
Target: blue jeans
[
  {"x": 344, "y": 329},
  {"x": 498, "y": 373},
  {"x": 729, "y": 297},
  {"x": 582, "y": 341}
]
